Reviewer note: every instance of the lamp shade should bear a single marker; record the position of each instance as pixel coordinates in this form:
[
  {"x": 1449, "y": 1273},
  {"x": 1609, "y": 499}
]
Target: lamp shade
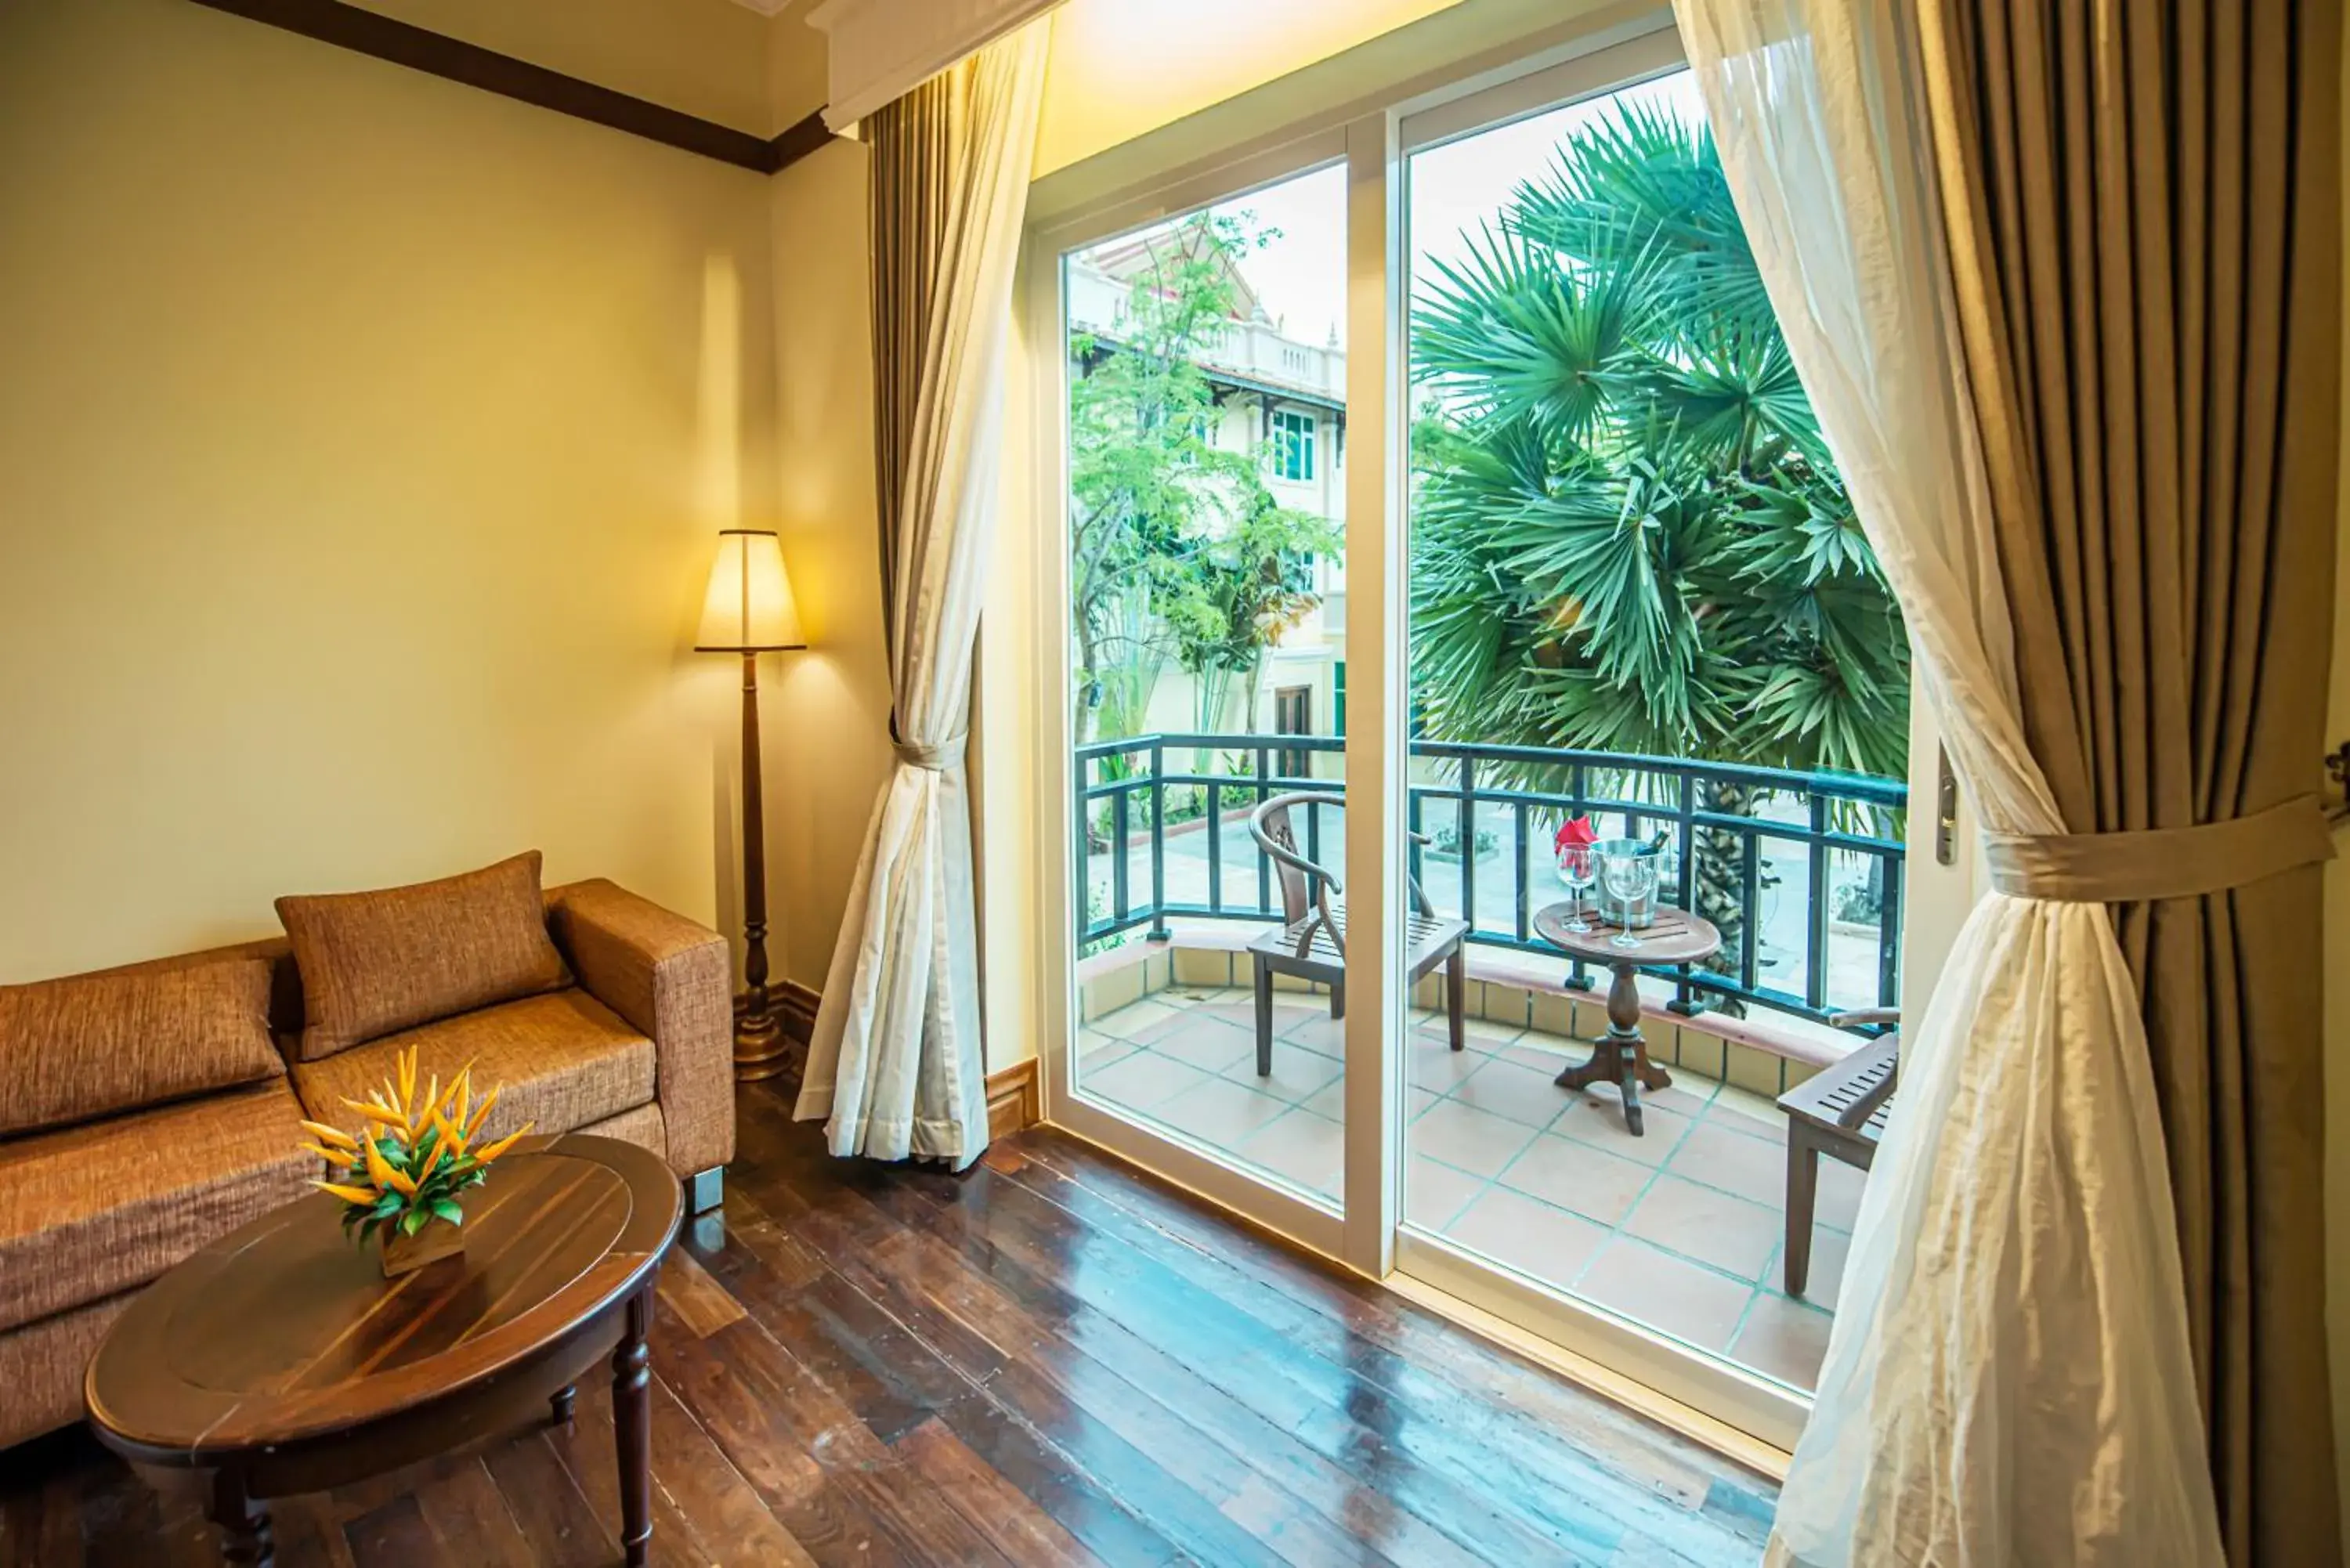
[{"x": 749, "y": 608}]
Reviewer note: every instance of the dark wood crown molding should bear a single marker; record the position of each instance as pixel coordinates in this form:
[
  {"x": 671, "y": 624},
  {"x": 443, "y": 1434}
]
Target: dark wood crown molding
[{"x": 453, "y": 59}]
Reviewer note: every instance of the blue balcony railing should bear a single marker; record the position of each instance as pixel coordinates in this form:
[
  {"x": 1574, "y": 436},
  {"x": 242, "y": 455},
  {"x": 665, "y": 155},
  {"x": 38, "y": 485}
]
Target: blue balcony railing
[{"x": 1801, "y": 870}]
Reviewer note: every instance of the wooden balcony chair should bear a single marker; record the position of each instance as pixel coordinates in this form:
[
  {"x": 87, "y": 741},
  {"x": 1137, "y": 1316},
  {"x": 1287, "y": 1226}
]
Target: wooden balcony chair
[
  {"x": 1839, "y": 1112},
  {"x": 1311, "y": 941}
]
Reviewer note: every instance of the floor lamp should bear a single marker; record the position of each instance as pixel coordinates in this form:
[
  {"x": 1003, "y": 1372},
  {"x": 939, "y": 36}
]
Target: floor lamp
[{"x": 750, "y": 611}]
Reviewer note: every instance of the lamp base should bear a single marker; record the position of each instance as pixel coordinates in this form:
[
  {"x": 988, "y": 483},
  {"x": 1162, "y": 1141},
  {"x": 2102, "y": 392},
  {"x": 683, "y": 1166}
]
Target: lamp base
[{"x": 761, "y": 1049}]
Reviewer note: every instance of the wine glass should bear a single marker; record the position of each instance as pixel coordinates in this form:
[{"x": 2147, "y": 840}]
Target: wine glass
[
  {"x": 1575, "y": 869},
  {"x": 1628, "y": 878}
]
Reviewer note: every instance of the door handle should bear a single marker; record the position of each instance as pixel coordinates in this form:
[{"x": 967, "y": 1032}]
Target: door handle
[{"x": 1946, "y": 810}]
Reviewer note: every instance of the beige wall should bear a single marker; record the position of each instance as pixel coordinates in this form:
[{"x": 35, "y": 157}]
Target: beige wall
[{"x": 354, "y": 493}]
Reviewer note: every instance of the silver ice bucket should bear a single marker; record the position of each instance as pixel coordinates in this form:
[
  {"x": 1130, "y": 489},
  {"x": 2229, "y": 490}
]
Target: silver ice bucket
[{"x": 1642, "y": 911}]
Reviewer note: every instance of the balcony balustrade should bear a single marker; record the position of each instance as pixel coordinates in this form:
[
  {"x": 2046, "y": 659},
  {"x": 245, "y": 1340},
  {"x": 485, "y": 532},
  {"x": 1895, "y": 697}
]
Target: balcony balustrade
[{"x": 1801, "y": 870}]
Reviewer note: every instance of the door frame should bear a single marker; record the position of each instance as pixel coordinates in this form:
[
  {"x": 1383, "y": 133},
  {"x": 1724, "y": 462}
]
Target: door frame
[
  {"x": 1189, "y": 1164},
  {"x": 1367, "y": 1235}
]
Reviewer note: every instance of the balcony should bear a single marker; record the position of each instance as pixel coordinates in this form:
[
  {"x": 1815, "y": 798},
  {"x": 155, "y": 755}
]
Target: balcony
[{"x": 1682, "y": 1229}]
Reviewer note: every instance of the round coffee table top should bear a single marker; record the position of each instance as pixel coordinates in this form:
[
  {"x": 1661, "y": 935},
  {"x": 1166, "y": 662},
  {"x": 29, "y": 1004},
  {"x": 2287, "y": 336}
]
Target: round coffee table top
[
  {"x": 1677, "y": 937},
  {"x": 285, "y": 1330}
]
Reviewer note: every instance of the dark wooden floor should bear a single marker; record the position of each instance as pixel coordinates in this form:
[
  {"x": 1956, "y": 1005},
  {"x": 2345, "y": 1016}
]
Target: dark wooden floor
[{"x": 1052, "y": 1361}]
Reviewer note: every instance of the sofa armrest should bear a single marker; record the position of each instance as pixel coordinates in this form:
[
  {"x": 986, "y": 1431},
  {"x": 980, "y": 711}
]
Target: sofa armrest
[{"x": 673, "y": 980}]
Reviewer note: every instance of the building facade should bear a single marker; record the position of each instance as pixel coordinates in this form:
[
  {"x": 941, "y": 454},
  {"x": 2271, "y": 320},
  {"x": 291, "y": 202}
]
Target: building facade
[{"x": 1283, "y": 400}]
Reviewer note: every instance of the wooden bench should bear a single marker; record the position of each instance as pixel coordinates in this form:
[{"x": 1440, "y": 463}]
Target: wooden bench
[{"x": 1839, "y": 1112}]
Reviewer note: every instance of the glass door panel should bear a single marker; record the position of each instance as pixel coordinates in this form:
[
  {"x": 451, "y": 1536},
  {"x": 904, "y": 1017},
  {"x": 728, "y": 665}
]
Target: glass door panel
[
  {"x": 1205, "y": 460},
  {"x": 1639, "y": 610}
]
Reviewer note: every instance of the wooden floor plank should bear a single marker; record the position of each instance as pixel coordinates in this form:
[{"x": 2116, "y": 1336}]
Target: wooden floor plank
[
  {"x": 762, "y": 1445},
  {"x": 920, "y": 1383},
  {"x": 470, "y": 1520},
  {"x": 995, "y": 1421},
  {"x": 724, "y": 1510},
  {"x": 1100, "y": 1444},
  {"x": 701, "y": 1303},
  {"x": 1346, "y": 1406},
  {"x": 1562, "y": 1432},
  {"x": 562, "y": 1529},
  {"x": 309, "y": 1532},
  {"x": 1053, "y": 1361},
  {"x": 590, "y": 1457},
  {"x": 1046, "y": 1245},
  {"x": 1327, "y": 1448},
  {"x": 394, "y": 1536},
  {"x": 1010, "y": 1522},
  {"x": 1104, "y": 1365}
]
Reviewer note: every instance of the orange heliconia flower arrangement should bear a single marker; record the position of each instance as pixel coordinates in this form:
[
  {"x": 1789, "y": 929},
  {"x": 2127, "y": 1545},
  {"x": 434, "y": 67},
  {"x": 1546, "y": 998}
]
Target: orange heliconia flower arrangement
[{"x": 413, "y": 1155}]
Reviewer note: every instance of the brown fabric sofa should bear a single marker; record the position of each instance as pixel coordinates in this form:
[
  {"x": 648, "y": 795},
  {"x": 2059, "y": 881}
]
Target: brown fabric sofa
[{"x": 638, "y": 1047}]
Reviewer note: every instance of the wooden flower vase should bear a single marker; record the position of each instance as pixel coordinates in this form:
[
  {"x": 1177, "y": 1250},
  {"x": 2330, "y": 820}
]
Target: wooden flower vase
[{"x": 402, "y": 1253}]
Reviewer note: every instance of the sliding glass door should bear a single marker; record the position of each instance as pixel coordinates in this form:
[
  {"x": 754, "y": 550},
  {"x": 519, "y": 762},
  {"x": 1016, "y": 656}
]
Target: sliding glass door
[
  {"x": 1447, "y": 559},
  {"x": 1204, "y": 444},
  {"x": 1659, "y": 698}
]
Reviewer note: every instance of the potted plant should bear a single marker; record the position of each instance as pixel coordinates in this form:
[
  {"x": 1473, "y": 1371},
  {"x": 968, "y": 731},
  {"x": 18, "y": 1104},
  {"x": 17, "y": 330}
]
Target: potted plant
[
  {"x": 1445, "y": 849},
  {"x": 399, "y": 1177}
]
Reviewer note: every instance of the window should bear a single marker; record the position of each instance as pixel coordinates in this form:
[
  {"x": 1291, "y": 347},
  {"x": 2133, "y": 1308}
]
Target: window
[
  {"x": 1293, "y": 444},
  {"x": 1293, "y": 715}
]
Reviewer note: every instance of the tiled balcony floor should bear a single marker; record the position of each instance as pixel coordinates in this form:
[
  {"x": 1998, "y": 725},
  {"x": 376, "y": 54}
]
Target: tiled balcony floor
[{"x": 1681, "y": 1229}]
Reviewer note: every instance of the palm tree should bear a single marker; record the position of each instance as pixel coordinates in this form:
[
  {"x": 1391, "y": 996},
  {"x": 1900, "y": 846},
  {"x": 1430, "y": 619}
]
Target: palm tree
[{"x": 1628, "y": 535}]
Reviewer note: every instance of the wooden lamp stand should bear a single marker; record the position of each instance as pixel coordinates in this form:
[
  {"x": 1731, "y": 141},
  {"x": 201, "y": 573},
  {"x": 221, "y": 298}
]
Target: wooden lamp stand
[
  {"x": 760, "y": 1049},
  {"x": 750, "y": 611}
]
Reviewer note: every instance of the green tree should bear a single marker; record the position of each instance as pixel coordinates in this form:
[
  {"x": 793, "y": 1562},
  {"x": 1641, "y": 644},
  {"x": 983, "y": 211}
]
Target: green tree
[
  {"x": 1629, "y": 534},
  {"x": 1178, "y": 549},
  {"x": 1244, "y": 589}
]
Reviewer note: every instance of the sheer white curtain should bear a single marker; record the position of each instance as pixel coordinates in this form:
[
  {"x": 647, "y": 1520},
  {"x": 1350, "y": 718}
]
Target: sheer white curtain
[
  {"x": 895, "y": 1067},
  {"x": 2008, "y": 1381}
]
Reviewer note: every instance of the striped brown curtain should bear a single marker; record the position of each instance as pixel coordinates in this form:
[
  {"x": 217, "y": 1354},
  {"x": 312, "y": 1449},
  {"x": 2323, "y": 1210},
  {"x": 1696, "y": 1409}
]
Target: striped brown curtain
[
  {"x": 895, "y": 1068},
  {"x": 2142, "y": 205},
  {"x": 912, "y": 166}
]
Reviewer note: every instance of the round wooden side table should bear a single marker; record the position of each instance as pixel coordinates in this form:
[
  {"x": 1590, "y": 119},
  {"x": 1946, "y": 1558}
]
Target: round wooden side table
[
  {"x": 1621, "y": 1055},
  {"x": 280, "y": 1360}
]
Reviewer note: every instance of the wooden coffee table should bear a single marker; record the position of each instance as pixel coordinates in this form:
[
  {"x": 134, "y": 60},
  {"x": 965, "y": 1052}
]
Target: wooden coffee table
[
  {"x": 280, "y": 1360},
  {"x": 1621, "y": 1055}
]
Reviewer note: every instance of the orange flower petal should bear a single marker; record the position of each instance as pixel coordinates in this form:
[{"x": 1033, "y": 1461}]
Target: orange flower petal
[
  {"x": 381, "y": 1172},
  {"x": 499, "y": 1147},
  {"x": 335, "y": 1136}
]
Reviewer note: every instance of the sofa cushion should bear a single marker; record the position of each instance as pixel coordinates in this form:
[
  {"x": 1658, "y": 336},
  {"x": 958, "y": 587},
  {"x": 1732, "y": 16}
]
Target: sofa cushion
[
  {"x": 88, "y": 1046},
  {"x": 562, "y": 1060},
  {"x": 42, "y": 1364},
  {"x": 646, "y": 1127},
  {"x": 88, "y": 1210},
  {"x": 375, "y": 963}
]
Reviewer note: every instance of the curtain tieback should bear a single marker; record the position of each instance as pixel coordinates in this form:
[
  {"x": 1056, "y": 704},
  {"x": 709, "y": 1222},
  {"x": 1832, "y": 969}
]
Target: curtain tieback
[
  {"x": 935, "y": 759},
  {"x": 2161, "y": 862}
]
